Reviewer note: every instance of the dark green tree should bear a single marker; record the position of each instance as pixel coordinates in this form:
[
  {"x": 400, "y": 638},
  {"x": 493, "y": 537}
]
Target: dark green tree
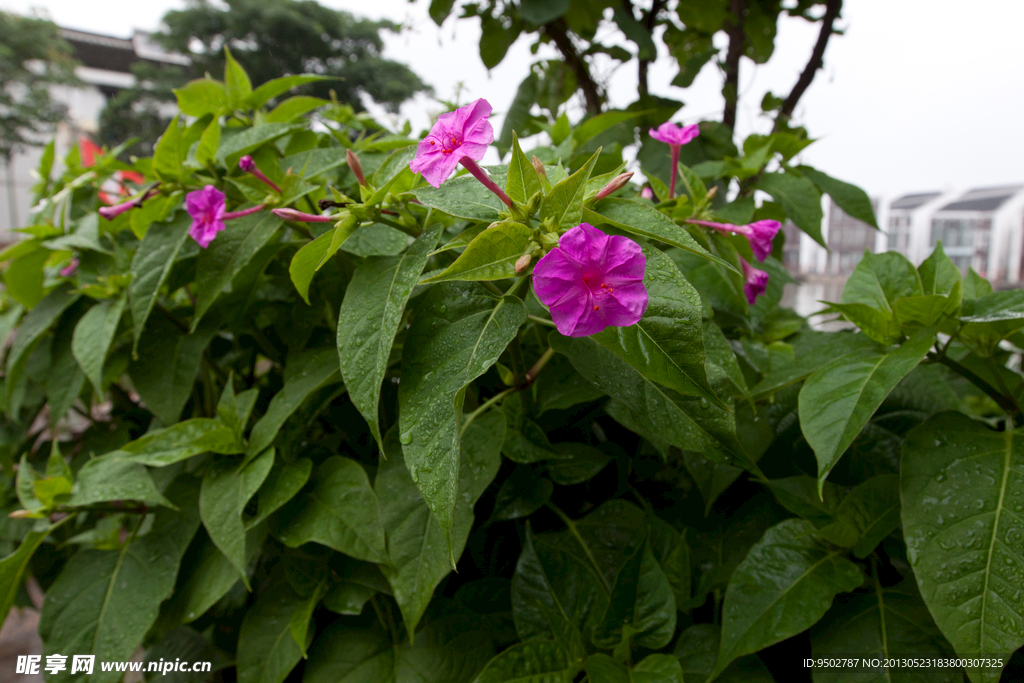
[
  {"x": 32, "y": 57},
  {"x": 269, "y": 38}
]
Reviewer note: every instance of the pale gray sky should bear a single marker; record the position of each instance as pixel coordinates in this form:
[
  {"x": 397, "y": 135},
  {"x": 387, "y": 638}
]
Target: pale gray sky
[{"x": 917, "y": 95}]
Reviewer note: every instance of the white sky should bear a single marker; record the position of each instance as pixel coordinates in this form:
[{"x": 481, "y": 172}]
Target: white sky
[{"x": 917, "y": 95}]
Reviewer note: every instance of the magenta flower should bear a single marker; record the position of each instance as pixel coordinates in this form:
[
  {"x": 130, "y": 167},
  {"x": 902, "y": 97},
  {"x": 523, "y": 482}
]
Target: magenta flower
[
  {"x": 591, "y": 281},
  {"x": 112, "y": 212},
  {"x": 206, "y": 206},
  {"x": 756, "y": 282},
  {"x": 461, "y": 136},
  {"x": 760, "y": 234},
  {"x": 647, "y": 193},
  {"x": 248, "y": 165},
  {"x": 675, "y": 137},
  {"x": 70, "y": 268}
]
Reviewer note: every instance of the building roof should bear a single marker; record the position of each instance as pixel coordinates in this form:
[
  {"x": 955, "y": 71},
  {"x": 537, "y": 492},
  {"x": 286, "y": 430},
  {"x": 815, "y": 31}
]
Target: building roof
[
  {"x": 117, "y": 54},
  {"x": 983, "y": 199},
  {"x": 913, "y": 201}
]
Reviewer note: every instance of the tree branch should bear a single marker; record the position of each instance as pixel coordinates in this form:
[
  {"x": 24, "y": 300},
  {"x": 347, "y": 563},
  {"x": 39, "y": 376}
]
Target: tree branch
[
  {"x": 559, "y": 32},
  {"x": 832, "y": 8},
  {"x": 650, "y": 19},
  {"x": 731, "y": 88}
]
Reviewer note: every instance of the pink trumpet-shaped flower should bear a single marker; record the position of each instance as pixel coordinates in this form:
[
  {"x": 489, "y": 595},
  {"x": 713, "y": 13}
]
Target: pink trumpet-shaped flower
[
  {"x": 675, "y": 137},
  {"x": 591, "y": 281},
  {"x": 756, "y": 282},
  {"x": 760, "y": 234},
  {"x": 70, "y": 268},
  {"x": 461, "y": 136},
  {"x": 206, "y": 207},
  {"x": 248, "y": 165},
  {"x": 111, "y": 212}
]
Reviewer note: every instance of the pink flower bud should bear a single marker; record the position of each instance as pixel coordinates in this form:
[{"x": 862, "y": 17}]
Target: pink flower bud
[
  {"x": 247, "y": 164},
  {"x": 647, "y": 193},
  {"x": 616, "y": 183},
  {"x": 522, "y": 263},
  {"x": 300, "y": 217},
  {"x": 357, "y": 168},
  {"x": 538, "y": 166},
  {"x": 756, "y": 282}
]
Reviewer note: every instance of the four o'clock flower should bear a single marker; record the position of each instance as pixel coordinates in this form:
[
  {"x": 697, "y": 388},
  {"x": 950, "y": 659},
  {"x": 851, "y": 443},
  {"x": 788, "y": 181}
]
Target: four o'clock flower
[
  {"x": 461, "y": 136},
  {"x": 591, "y": 281},
  {"x": 760, "y": 234},
  {"x": 756, "y": 281},
  {"x": 647, "y": 193},
  {"x": 206, "y": 206},
  {"x": 675, "y": 137},
  {"x": 70, "y": 268},
  {"x": 248, "y": 165}
]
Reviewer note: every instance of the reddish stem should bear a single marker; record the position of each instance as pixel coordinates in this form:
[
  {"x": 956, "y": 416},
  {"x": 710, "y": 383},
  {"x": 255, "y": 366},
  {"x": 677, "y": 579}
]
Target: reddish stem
[
  {"x": 243, "y": 212},
  {"x": 482, "y": 176}
]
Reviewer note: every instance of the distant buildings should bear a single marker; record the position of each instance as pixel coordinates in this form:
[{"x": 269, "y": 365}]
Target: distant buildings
[
  {"x": 105, "y": 69},
  {"x": 981, "y": 228}
]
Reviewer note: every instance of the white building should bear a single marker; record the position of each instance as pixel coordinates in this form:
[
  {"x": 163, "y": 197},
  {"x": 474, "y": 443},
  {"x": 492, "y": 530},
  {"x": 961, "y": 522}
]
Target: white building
[
  {"x": 983, "y": 229},
  {"x": 105, "y": 69}
]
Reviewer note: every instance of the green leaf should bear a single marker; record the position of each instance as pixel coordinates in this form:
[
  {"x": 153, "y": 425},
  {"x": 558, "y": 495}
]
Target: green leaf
[
  {"x": 563, "y": 205},
  {"x": 24, "y": 277},
  {"x": 294, "y": 107},
  {"x": 440, "y": 9},
  {"x": 211, "y": 575},
  {"x": 799, "y": 198},
  {"x": 533, "y": 661},
  {"x": 65, "y": 380},
  {"x": 208, "y": 143},
  {"x": 226, "y": 490},
  {"x": 523, "y": 181},
  {"x": 697, "y": 648},
  {"x": 277, "y": 86},
  {"x": 880, "y": 279},
  {"x": 370, "y": 317},
  {"x": 850, "y": 198},
  {"x": 282, "y": 484},
  {"x": 696, "y": 190},
  {"x": 496, "y": 39},
  {"x": 646, "y": 221},
  {"x": 867, "y": 515},
  {"x": 492, "y": 255},
  {"x": 641, "y": 606},
  {"x": 227, "y": 255},
  {"x": 12, "y": 567},
  {"x": 838, "y": 399},
  {"x": 93, "y": 336},
  {"x": 880, "y": 625},
  {"x": 784, "y": 585},
  {"x": 201, "y": 97},
  {"x": 656, "y": 410},
  {"x": 457, "y": 334},
  {"x": 658, "y": 668},
  {"x": 417, "y": 547},
  {"x": 33, "y": 326},
  {"x": 314, "y": 162},
  {"x": 108, "y": 478},
  {"x": 163, "y": 375},
  {"x": 345, "y": 654},
  {"x": 163, "y": 447},
  {"x": 601, "y": 668},
  {"x": 238, "y": 141},
  {"x": 170, "y": 152},
  {"x": 667, "y": 345},
  {"x": 800, "y": 496},
  {"x": 104, "y": 601},
  {"x": 151, "y": 265},
  {"x": 311, "y": 257},
  {"x": 358, "y": 583},
  {"x": 541, "y": 12},
  {"x": 340, "y": 512},
  {"x": 462, "y": 197},
  {"x": 266, "y": 651},
  {"x": 962, "y": 491},
  {"x": 234, "y": 410},
  {"x": 305, "y": 372},
  {"x": 236, "y": 81}
]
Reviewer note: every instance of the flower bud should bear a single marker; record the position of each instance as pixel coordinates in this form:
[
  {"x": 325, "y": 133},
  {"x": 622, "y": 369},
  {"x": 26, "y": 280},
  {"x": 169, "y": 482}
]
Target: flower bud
[
  {"x": 616, "y": 183},
  {"x": 247, "y": 164},
  {"x": 647, "y": 193},
  {"x": 523, "y": 262},
  {"x": 300, "y": 217},
  {"x": 538, "y": 165},
  {"x": 357, "y": 168}
]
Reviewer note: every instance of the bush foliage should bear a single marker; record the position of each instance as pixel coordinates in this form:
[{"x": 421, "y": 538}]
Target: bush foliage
[{"x": 270, "y": 453}]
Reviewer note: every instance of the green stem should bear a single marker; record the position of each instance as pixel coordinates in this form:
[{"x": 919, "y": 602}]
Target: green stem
[
  {"x": 518, "y": 286},
  {"x": 492, "y": 288},
  {"x": 532, "y": 373},
  {"x": 398, "y": 226},
  {"x": 468, "y": 420},
  {"x": 541, "y": 321}
]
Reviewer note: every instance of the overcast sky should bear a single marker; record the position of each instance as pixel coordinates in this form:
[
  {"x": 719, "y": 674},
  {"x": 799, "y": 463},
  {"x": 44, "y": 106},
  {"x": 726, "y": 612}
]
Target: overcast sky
[{"x": 917, "y": 95}]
